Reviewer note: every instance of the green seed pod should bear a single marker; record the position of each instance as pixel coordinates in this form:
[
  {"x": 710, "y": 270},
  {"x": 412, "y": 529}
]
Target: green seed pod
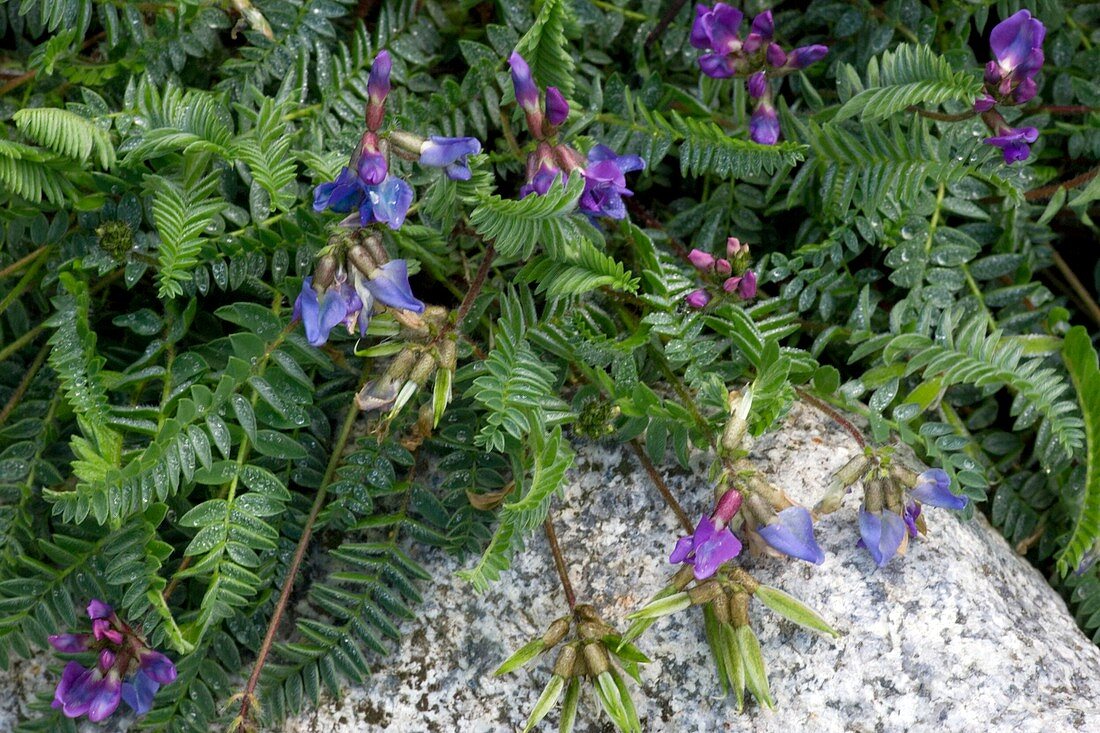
[
  {"x": 556, "y": 632},
  {"x": 596, "y": 657}
]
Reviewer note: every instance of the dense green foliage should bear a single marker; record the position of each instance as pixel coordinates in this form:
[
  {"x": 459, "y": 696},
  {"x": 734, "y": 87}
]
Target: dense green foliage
[{"x": 165, "y": 427}]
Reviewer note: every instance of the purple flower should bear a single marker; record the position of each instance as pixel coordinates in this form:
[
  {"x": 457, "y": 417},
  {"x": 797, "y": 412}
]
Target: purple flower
[
  {"x": 322, "y": 313},
  {"x": 557, "y": 109},
  {"x": 934, "y": 488},
  {"x": 372, "y": 167},
  {"x": 97, "y": 609},
  {"x": 102, "y": 629},
  {"x": 716, "y": 66},
  {"x": 716, "y": 30},
  {"x": 542, "y": 180},
  {"x": 803, "y": 56},
  {"x": 378, "y": 88},
  {"x": 912, "y": 513},
  {"x": 449, "y": 153},
  {"x": 701, "y": 260},
  {"x": 763, "y": 28},
  {"x": 157, "y": 666},
  {"x": 1014, "y": 142},
  {"x": 882, "y": 533},
  {"x": 87, "y": 692},
  {"x": 1017, "y": 44},
  {"x": 605, "y": 182},
  {"x": 984, "y": 103},
  {"x": 388, "y": 202},
  {"x": 792, "y": 533},
  {"x": 69, "y": 643},
  {"x": 389, "y": 285},
  {"x": 706, "y": 549},
  {"x": 775, "y": 55},
  {"x": 764, "y": 124},
  {"x": 342, "y": 195},
  {"x": 139, "y": 691},
  {"x": 758, "y": 85},
  {"x": 743, "y": 285},
  {"x": 527, "y": 94},
  {"x": 697, "y": 298}
]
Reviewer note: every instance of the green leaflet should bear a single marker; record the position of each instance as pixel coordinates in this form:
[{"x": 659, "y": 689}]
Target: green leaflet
[{"x": 1081, "y": 361}]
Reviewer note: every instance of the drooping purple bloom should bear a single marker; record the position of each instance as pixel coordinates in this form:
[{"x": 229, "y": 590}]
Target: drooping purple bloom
[
  {"x": 706, "y": 549},
  {"x": 934, "y": 488},
  {"x": 912, "y": 512},
  {"x": 322, "y": 313},
  {"x": 605, "y": 182},
  {"x": 984, "y": 103},
  {"x": 697, "y": 298},
  {"x": 757, "y": 85},
  {"x": 102, "y": 629},
  {"x": 803, "y": 56},
  {"x": 449, "y": 153},
  {"x": 715, "y": 30},
  {"x": 1017, "y": 44},
  {"x": 764, "y": 124},
  {"x": 87, "y": 692},
  {"x": 527, "y": 93},
  {"x": 1015, "y": 143},
  {"x": 882, "y": 534},
  {"x": 388, "y": 202},
  {"x": 716, "y": 66},
  {"x": 542, "y": 180},
  {"x": 342, "y": 195},
  {"x": 557, "y": 109},
  {"x": 139, "y": 691},
  {"x": 389, "y": 285},
  {"x": 792, "y": 533}
]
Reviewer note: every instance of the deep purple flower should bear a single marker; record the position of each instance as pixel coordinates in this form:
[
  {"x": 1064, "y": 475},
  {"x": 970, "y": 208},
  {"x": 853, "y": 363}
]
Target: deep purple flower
[
  {"x": 912, "y": 512},
  {"x": 792, "y": 533},
  {"x": 1014, "y": 142},
  {"x": 389, "y": 285},
  {"x": 449, "y": 153},
  {"x": 934, "y": 488},
  {"x": 984, "y": 103},
  {"x": 102, "y": 629},
  {"x": 757, "y": 85},
  {"x": 87, "y": 692},
  {"x": 388, "y": 202},
  {"x": 97, "y": 609},
  {"x": 883, "y": 534},
  {"x": 342, "y": 195},
  {"x": 1017, "y": 44},
  {"x": 716, "y": 66},
  {"x": 775, "y": 55},
  {"x": 542, "y": 180},
  {"x": 139, "y": 691},
  {"x": 527, "y": 94},
  {"x": 716, "y": 29},
  {"x": 763, "y": 28},
  {"x": 803, "y": 56},
  {"x": 557, "y": 109},
  {"x": 697, "y": 298},
  {"x": 372, "y": 167},
  {"x": 764, "y": 124},
  {"x": 605, "y": 182},
  {"x": 157, "y": 666},
  {"x": 322, "y": 313},
  {"x": 706, "y": 549},
  {"x": 723, "y": 266}
]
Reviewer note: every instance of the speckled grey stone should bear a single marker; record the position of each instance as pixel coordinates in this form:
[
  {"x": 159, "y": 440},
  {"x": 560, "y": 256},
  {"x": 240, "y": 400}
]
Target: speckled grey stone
[{"x": 960, "y": 635}]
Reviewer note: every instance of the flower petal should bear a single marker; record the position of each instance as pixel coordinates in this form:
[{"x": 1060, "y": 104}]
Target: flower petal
[
  {"x": 683, "y": 548},
  {"x": 719, "y": 548},
  {"x": 68, "y": 643},
  {"x": 108, "y": 694},
  {"x": 158, "y": 667},
  {"x": 390, "y": 201},
  {"x": 557, "y": 109},
  {"x": 934, "y": 488},
  {"x": 1013, "y": 38},
  {"x": 882, "y": 534},
  {"x": 793, "y": 534},
  {"x": 98, "y": 609},
  {"x": 390, "y": 285},
  {"x": 139, "y": 692}
]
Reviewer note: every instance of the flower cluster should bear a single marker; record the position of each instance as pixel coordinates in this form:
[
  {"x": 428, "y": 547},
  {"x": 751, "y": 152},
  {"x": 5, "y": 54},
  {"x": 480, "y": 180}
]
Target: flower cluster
[
  {"x": 891, "y": 511},
  {"x": 756, "y": 57},
  {"x": 125, "y": 669},
  {"x": 366, "y": 186},
  {"x": 738, "y": 280},
  {"x": 603, "y": 170},
  {"x": 1017, "y": 46},
  {"x": 351, "y": 282}
]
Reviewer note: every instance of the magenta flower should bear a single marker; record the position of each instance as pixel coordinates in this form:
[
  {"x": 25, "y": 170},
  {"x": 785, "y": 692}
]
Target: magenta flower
[
  {"x": 697, "y": 298},
  {"x": 449, "y": 153},
  {"x": 1015, "y": 143},
  {"x": 743, "y": 285},
  {"x": 706, "y": 549},
  {"x": 122, "y": 655},
  {"x": 701, "y": 259},
  {"x": 1017, "y": 46}
]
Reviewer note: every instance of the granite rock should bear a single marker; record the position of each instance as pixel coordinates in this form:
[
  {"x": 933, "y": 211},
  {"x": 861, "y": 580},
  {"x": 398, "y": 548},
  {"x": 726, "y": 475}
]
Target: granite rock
[{"x": 960, "y": 635}]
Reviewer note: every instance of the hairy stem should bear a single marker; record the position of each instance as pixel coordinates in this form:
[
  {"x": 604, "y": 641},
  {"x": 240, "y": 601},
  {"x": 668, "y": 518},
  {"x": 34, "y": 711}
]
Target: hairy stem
[
  {"x": 662, "y": 487},
  {"x": 559, "y": 562},
  {"x": 1045, "y": 192},
  {"x": 943, "y": 116},
  {"x": 26, "y": 259},
  {"x": 24, "y": 383},
  {"x": 1088, "y": 303},
  {"x": 839, "y": 419}
]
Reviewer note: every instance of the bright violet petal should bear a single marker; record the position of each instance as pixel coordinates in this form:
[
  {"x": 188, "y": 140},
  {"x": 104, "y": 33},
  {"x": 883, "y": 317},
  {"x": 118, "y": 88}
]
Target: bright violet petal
[
  {"x": 682, "y": 549},
  {"x": 390, "y": 285},
  {"x": 1013, "y": 38},
  {"x": 68, "y": 643},
  {"x": 716, "y": 66},
  {"x": 557, "y": 109},
  {"x": 378, "y": 83},
  {"x": 390, "y": 202},
  {"x": 69, "y": 676},
  {"x": 81, "y": 692},
  {"x": 721, "y": 547},
  {"x": 934, "y": 488},
  {"x": 107, "y": 696},
  {"x": 158, "y": 667},
  {"x": 802, "y": 57},
  {"x": 793, "y": 534},
  {"x": 527, "y": 94},
  {"x": 98, "y": 609},
  {"x": 139, "y": 692},
  {"x": 764, "y": 125}
]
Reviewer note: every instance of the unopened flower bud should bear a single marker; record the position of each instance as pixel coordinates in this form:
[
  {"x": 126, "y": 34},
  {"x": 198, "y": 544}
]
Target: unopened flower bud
[
  {"x": 556, "y": 632},
  {"x": 727, "y": 506},
  {"x": 324, "y": 273},
  {"x": 702, "y": 260},
  {"x": 596, "y": 658},
  {"x": 705, "y": 593},
  {"x": 566, "y": 663}
]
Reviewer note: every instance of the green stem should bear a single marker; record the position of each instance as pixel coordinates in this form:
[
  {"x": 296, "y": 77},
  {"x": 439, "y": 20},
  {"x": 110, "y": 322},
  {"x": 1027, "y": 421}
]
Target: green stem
[
  {"x": 22, "y": 341},
  {"x": 24, "y": 383},
  {"x": 28, "y": 279},
  {"x": 602, "y": 5}
]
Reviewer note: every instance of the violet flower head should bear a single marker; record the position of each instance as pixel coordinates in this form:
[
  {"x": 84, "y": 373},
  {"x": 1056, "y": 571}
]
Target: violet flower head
[
  {"x": 934, "y": 488},
  {"x": 697, "y": 299},
  {"x": 320, "y": 313},
  {"x": 706, "y": 549},
  {"x": 372, "y": 167},
  {"x": 389, "y": 285},
  {"x": 527, "y": 93},
  {"x": 715, "y": 30},
  {"x": 757, "y": 85},
  {"x": 450, "y": 153},
  {"x": 803, "y": 56},
  {"x": 764, "y": 124},
  {"x": 605, "y": 182},
  {"x": 792, "y": 533},
  {"x": 69, "y": 643},
  {"x": 702, "y": 260},
  {"x": 388, "y": 203},
  {"x": 1017, "y": 45},
  {"x": 557, "y": 109},
  {"x": 1015, "y": 143},
  {"x": 342, "y": 195},
  {"x": 761, "y": 32},
  {"x": 883, "y": 533}
]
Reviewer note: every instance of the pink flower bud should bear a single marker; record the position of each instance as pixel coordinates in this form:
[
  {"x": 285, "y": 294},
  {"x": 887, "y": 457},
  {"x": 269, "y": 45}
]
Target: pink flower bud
[
  {"x": 723, "y": 267},
  {"x": 698, "y": 298},
  {"x": 701, "y": 260}
]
